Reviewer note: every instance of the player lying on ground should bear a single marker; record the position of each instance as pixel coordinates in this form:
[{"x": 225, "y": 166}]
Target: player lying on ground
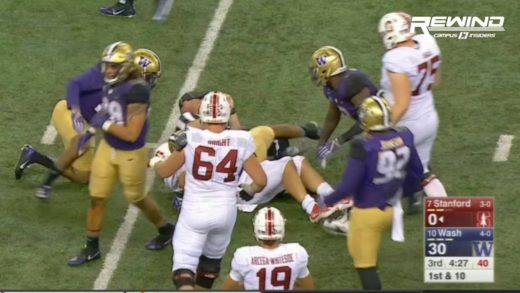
[
  {"x": 293, "y": 174},
  {"x": 71, "y": 118}
]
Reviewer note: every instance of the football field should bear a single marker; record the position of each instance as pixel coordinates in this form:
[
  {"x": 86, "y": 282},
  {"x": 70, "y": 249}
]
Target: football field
[{"x": 258, "y": 51}]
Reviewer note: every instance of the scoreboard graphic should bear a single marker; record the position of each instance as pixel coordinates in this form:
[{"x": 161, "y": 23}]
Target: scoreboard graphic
[{"x": 459, "y": 240}]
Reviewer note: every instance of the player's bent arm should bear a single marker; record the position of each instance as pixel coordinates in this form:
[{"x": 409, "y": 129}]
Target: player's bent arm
[
  {"x": 232, "y": 285},
  {"x": 402, "y": 92},
  {"x": 134, "y": 125},
  {"x": 234, "y": 122},
  {"x": 360, "y": 97},
  {"x": 331, "y": 122},
  {"x": 304, "y": 283},
  {"x": 170, "y": 166},
  {"x": 256, "y": 172}
]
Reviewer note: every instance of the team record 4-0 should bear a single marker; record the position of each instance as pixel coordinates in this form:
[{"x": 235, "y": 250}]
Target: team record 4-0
[{"x": 459, "y": 240}]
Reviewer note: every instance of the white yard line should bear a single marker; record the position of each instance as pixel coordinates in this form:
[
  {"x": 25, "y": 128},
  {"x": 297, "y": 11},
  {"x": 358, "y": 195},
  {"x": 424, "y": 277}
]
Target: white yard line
[
  {"x": 112, "y": 258},
  {"x": 49, "y": 135},
  {"x": 504, "y": 144}
]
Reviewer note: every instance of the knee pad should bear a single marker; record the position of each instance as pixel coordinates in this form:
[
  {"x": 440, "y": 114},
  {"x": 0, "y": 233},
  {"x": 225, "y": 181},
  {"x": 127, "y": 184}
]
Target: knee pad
[
  {"x": 427, "y": 178},
  {"x": 207, "y": 271},
  {"x": 183, "y": 277}
]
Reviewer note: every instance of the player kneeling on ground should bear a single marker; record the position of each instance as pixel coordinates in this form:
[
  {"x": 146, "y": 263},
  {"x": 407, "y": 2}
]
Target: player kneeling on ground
[{"x": 271, "y": 265}]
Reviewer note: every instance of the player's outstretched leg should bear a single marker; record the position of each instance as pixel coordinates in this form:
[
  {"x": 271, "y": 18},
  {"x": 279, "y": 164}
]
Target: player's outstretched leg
[{"x": 30, "y": 156}]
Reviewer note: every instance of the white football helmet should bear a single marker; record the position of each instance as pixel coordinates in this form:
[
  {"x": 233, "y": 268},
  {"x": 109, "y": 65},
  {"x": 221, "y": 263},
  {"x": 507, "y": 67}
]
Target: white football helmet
[
  {"x": 269, "y": 224},
  {"x": 394, "y": 28},
  {"x": 215, "y": 108}
]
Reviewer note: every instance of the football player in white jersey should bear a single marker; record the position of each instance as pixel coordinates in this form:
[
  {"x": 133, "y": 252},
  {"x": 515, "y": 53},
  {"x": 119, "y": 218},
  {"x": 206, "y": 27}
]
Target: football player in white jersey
[
  {"x": 293, "y": 174},
  {"x": 411, "y": 69},
  {"x": 271, "y": 265},
  {"x": 213, "y": 157}
]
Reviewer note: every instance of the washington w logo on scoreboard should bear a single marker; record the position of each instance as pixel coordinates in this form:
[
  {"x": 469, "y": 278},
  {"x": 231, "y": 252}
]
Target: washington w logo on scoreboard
[
  {"x": 460, "y": 27},
  {"x": 482, "y": 248}
]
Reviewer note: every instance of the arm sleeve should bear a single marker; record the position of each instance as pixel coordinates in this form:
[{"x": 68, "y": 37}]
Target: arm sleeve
[
  {"x": 303, "y": 261},
  {"x": 250, "y": 148},
  {"x": 392, "y": 63},
  {"x": 236, "y": 268},
  {"x": 352, "y": 177},
  {"x": 139, "y": 93},
  {"x": 349, "y": 134},
  {"x": 89, "y": 80}
]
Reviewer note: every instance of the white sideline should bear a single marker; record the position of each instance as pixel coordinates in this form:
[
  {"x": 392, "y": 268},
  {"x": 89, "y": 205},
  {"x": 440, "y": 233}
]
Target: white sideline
[
  {"x": 504, "y": 144},
  {"x": 112, "y": 258}
]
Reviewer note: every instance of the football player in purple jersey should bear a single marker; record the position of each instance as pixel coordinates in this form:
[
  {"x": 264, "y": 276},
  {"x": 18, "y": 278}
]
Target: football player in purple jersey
[
  {"x": 121, "y": 155},
  {"x": 382, "y": 160},
  {"x": 71, "y": 117},
  {"x": 345, "y": 88}
]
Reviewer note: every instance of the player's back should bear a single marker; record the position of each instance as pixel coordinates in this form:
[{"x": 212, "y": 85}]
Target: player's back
[
  {"x": 213, "y": 163},
  {"x": 420, "y": 63},
  {"x": 270, "y": 269},
  {"x": 388, "y": 156}
]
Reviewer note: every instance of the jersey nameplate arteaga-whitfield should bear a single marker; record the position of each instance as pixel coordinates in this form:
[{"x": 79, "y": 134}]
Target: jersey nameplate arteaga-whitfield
[{"x": 459, "y": 242}]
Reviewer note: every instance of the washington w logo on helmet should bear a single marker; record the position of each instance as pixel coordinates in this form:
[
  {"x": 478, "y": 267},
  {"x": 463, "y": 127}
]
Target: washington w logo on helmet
[
  {"x": 144, "y": 62},
  {"x": 460, "y": 27},
  {"x": 321, "y": 60}
]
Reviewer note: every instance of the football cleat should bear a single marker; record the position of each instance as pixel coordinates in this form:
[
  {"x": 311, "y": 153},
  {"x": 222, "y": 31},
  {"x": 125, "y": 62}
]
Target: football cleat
[
  {"x": 119, "y": 9},
  {"x": 337, "y": 223},
  {"x": 43, "y": 192},
  {"x": 86, "y": 255},
  {"x": 160, "y": 241},
  {"x": 318, "y": 213},
  {"x": 312, "y": 130},
  {"x": 24, "y": 161}
]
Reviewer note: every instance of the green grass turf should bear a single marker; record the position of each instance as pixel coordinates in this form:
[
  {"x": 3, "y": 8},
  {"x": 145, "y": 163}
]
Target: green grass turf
[{"x": 261, "y": 58}]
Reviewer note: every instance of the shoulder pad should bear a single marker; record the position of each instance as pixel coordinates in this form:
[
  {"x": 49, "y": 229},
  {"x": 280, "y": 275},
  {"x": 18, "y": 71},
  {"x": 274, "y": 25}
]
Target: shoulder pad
[{"x": 178, "y": 140}]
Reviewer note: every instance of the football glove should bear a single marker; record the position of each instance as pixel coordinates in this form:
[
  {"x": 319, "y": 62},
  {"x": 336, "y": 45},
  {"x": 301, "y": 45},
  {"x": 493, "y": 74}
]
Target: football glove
[
  {"x": 178, "y": 195},
  {"x": 247, "y": 193},
  {"x": 326, "y": 149},
  {"x": 178, "y": 140},
  {"x": 154, "y": 160},
  {"x": 78, "y": 122},
  {"x": 99, "y": 119}
]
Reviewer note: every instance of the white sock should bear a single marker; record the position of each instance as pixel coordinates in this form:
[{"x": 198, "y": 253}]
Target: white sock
[
  {"x": 434, "y": 188},
  {"x": 122, "y": 1},
  {"x": 324, "y": 189},
  {"x": 307, "y": 204}
]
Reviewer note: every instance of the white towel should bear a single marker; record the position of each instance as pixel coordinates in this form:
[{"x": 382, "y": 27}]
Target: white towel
[
  {"x": 397, "y": 222},
  {"x": 247, "y": 208}
]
